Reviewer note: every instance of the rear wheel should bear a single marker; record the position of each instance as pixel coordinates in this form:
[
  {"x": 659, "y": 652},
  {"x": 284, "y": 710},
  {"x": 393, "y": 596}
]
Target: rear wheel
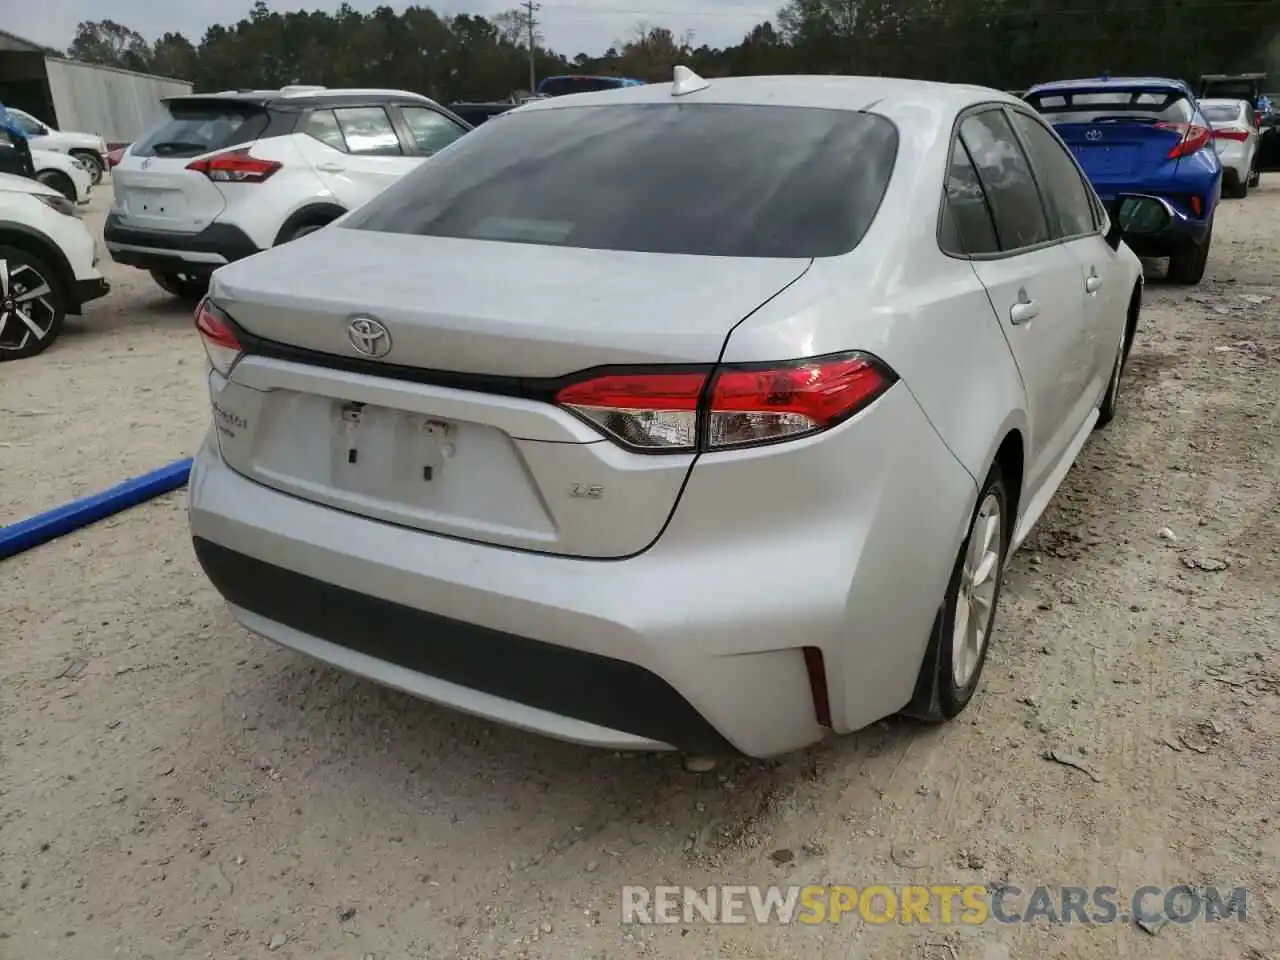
[
  {"x": 1188, "y": 262},
  {"x": 92, "y": 161},
  {"x": 1255, "y": 175},
  {"x": 961, "y": 633},
  {"x": 184, "y": 286},
  {"x": 1235, "y": 187},
  {"x": 33, "y": 305},
  {"x": 59, "y": 181}
]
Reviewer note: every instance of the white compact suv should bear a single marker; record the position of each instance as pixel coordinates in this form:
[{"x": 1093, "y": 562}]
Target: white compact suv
[
  {"x": 233, "y": 173},
  {"x": 48, "y": 266},
  {"x": 89, "y": 148}
]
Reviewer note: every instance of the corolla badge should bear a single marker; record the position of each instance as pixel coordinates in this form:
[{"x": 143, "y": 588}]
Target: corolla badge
[
  {"x": 369, "y": 337},
  {"x": 1094, "y": 135}
]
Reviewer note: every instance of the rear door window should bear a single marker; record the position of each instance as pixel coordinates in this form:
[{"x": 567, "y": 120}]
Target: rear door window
[
  {"x": 730, "y": 180},
  {"x": 431, "y": 131},
  {"x": 1064, "y": 189},
  {"x": 1007, "y": 180},
  {"x": 199, "y": 127},
  {"x": 368, "y": 131},
  {"x": 323, "y": 126}
]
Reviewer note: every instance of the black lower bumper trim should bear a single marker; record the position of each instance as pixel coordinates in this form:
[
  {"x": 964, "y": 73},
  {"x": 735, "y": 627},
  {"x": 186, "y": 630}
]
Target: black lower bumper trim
[
  {"x": 85, "y": 290},
  {"x": 572, "y": 683},
  {"x": 163, "y": 251}
]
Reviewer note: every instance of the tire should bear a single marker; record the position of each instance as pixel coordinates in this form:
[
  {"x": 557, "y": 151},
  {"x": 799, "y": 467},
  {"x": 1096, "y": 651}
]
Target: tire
[
  {"x": 60, "y": 182},
  {"x": 42, "y": 314},
  {"x": 1188, "y": 262},
  {"x": 302, "y": 231},
  {"x": 1111, "y": 399},
  {"x": 1237, "y": 189},
  {"x": 92, "y": 161},
  {"x": 942, "y": 690},
  {"x": 1255, "y": 176},
  {"x": 184, "y": 286}
]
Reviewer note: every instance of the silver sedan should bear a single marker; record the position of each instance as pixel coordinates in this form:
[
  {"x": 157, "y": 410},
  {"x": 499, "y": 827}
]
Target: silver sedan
[{"x": 700, "y": 415}]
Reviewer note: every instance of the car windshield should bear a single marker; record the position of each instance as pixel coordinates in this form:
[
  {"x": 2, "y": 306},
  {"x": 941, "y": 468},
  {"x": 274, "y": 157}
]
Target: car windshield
[
  {"x": 1221, "y": 112},
  {"x": 199, "y": 127},
  {"x": 704, "y": 179},
  {"x": 1095, "y": 106}
]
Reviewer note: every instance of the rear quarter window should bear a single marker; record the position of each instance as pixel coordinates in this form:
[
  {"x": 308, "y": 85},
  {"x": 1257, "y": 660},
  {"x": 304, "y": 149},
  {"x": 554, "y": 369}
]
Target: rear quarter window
[
  {"x": 193, "y": 129},
  {"x": 704, "y": 179}
]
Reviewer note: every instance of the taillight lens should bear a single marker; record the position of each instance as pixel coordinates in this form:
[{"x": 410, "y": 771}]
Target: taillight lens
[
  {"x": 1239, "y": 135},
  {"x": 1194, "y": 137},
  {"x": 237, "y": 166},
  {"x": 219, "y": 338},
  {"x": 729, "y": 407}
]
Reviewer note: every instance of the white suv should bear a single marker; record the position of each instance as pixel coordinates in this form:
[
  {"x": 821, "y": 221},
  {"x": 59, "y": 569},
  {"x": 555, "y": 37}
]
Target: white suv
[
  {"x": 230, "y": 174},
  {"x": 48, "y": 266},
  {"x": 89, "y": 148}
]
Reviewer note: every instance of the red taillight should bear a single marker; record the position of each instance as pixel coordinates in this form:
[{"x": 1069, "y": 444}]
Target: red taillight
[
  {"x": 220, "y": 341},
  {"x": 1238, "y": 135},
  {"x": 234, "y": 167},
  {"x": 677, "y": 411},
  {"x": 1194, "y": 137}
]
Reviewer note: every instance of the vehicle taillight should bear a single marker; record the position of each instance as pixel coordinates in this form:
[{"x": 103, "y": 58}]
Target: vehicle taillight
[
  {"x": 1240, "y": 135},
  {"x": 219, "y": 338},
  {"x": 1194, "y": 137},
  {"x": 234, "y": 167},
  {"x": 728, "y": 407}
]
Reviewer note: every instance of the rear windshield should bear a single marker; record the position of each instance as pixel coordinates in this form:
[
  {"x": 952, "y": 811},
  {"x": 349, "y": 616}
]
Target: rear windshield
[
  {"x": 1095, "y": 106},
  {"x": 704, "y": 179},
  {"x": 559, "y": 86},
  {"x": 1221, "y": 112},
  {"x": 201, "y": 127},
  {"x": 1230, "y": 90}
]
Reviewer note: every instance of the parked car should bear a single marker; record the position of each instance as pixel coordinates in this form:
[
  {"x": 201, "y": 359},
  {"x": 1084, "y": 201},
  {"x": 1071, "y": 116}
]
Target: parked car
[
  {"x": 691, "y": 459},
  {"x": 230, "y": 174},
  {"x": 66, "y": 174},
  {"x": 582, "y": 83},
  {"x": 1235, "y": 137},
  {"x": 477, "y": 113},
  {"x": 48, "y": 266},
  {"x": 1144, "y": 135},
  {"x": 89, "y": 148}
]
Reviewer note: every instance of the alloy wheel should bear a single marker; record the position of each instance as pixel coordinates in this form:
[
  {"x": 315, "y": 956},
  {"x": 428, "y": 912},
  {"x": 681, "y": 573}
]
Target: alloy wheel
[
  {"x": 975, "y": 600},
  {"x": 27, "y": 308}
]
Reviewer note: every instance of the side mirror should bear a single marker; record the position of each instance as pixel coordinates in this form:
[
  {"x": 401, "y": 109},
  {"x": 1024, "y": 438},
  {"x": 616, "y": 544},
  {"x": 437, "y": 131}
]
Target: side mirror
[{"x": 1136, "y": 215}]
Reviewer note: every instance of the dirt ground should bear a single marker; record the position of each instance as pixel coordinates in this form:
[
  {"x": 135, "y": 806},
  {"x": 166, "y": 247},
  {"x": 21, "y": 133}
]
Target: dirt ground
[{"x": 172, "y": 787}]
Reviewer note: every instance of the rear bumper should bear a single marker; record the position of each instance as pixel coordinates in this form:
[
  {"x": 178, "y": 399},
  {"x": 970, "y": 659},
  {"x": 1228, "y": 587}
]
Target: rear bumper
[
  {"x": 82, "y": 291},
  {"x": 203, "y": 252},
  {"x": 696, "y": 644}
]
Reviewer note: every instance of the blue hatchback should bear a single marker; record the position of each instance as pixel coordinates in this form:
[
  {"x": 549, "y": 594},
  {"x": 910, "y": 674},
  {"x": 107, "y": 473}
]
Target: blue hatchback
[{"x": 1143, "y": 135}]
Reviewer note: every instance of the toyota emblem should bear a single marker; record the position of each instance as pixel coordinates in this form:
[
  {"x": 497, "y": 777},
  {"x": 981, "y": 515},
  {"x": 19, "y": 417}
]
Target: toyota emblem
[
  {"x": 369, "y": 337},
  {"x": 1093, "y": 135}
]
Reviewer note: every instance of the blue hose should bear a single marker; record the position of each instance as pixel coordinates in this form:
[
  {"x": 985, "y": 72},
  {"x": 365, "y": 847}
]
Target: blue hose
[{"x": 25, "y": 534}]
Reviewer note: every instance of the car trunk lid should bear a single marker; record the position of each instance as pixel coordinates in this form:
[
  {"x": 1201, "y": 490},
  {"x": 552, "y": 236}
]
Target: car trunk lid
[
  {"x": 453, "y": 429},
  {"x": 1120, "y": 152}
]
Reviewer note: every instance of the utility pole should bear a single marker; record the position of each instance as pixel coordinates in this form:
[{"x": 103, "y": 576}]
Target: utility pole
[{"x": 531, "y": 8}]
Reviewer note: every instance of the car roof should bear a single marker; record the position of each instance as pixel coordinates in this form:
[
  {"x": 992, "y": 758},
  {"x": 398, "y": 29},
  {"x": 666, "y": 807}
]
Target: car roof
[
  {"x": 303, "y": 96},
  {"x": 829, "y": 92},
  {"x": 1120, "y": 83}
]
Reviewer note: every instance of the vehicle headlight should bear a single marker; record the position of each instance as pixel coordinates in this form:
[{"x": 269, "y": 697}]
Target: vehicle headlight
[{"x": 59, "y": 203}]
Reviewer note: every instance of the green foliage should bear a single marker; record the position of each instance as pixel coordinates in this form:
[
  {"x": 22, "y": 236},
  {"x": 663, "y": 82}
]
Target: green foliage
[{"x": 1000, "y": 43}]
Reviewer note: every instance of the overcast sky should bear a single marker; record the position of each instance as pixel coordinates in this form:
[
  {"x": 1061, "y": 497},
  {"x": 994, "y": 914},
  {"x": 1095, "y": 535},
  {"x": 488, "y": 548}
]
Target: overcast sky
[{"x": 568, "y": 27}]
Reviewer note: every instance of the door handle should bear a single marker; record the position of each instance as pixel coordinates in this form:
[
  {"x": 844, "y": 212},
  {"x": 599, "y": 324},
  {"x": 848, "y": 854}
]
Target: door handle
[
  {"x": 1093, "y": 284},
  {"x": 1024, "y": 311},
  {"x": 330, "y": 167}
]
